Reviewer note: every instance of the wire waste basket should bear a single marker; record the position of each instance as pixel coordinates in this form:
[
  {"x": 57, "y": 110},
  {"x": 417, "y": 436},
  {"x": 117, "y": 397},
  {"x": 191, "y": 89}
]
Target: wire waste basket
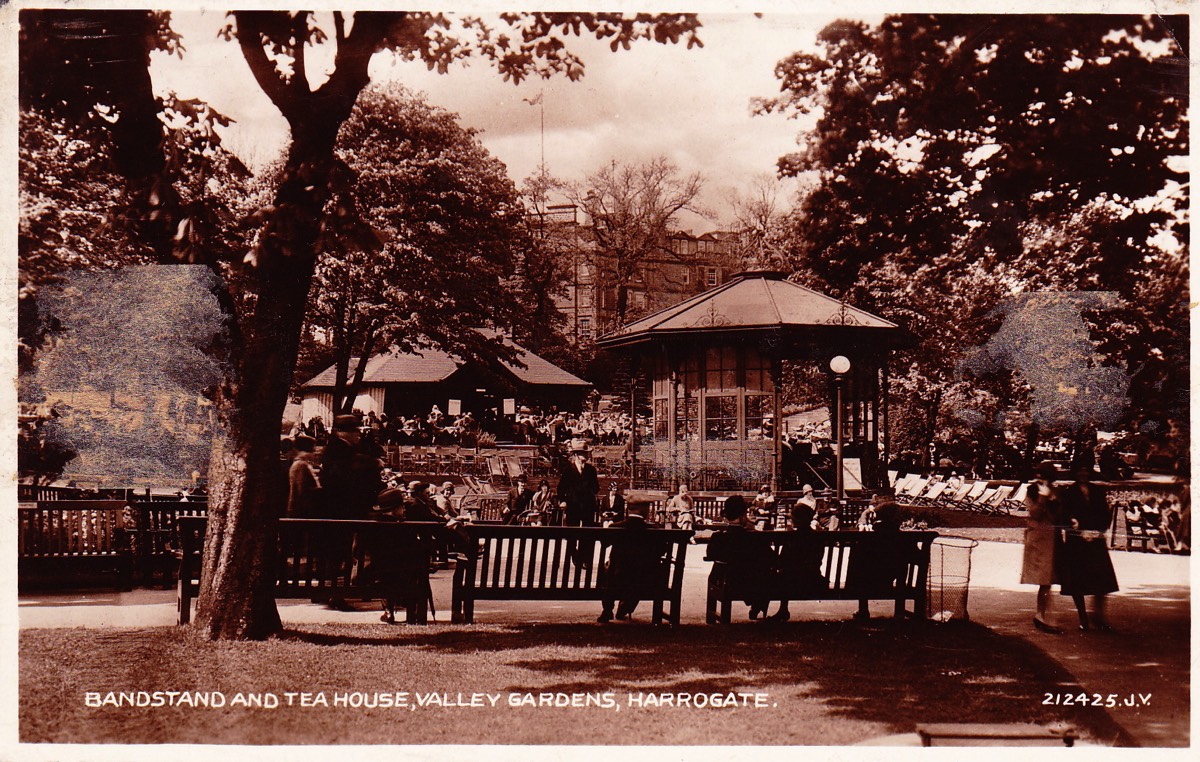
[{"x": 949, "y": 578}]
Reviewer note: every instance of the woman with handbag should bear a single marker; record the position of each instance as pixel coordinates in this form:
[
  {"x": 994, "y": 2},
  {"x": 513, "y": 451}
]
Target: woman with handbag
[{"x": 1085, "y": 566}]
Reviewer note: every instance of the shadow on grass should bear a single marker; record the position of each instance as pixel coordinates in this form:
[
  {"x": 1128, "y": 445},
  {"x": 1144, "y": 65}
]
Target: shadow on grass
[{"x": 897, "y": 675}]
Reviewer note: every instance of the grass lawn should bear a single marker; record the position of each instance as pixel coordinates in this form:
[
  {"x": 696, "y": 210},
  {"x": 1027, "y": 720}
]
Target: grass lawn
[{"x": 826, "y": 683}]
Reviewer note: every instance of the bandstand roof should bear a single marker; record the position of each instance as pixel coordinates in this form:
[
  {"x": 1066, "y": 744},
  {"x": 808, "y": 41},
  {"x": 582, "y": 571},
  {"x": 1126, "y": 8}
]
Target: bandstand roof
[
  {"x": 757, "y": 302},
  {"x": 431, "y": 366}
]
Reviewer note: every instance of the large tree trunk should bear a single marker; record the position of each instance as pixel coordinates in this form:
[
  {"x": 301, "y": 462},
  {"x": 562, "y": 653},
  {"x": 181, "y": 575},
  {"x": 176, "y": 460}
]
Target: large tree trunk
[{"x": 238, "y": 577}]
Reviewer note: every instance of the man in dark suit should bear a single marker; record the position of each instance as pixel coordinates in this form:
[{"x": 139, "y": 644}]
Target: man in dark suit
[
  {"x": 632, "y": 561},
  {"x": 578, "y": 484},
  {"x": 518, "y": 501},
  {"x": 349, "y": 473},
  {"x": 612, "y": 505}
]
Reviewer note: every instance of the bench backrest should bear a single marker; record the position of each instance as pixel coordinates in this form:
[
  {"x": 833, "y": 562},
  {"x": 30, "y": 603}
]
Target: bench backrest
[{"x": 529, "y": 560}]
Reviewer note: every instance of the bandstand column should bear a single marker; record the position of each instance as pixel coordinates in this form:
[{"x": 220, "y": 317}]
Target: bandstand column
[{"x": 777, "y": 424}]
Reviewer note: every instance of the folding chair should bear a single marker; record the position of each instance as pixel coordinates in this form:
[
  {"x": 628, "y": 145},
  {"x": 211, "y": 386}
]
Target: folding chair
[
  {"x": 973, "y": 494},
  {"x": 931, "y": 497}
]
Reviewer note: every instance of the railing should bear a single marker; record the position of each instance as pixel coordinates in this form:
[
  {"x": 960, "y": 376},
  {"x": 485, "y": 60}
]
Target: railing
[{"x": 74, "y": 540}]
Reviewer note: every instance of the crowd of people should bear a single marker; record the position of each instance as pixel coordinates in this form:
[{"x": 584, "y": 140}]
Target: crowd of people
[{"x": 529, "y": 426}]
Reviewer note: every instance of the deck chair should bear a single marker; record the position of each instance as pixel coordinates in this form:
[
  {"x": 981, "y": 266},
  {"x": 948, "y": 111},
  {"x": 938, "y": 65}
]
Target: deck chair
[
  {"x": 914, "y": 490},
  {"x": 996, "y": 503},
  {"x": 1016, "y": 501},
  {"x": 496, "y": 470},
  {"x": 950, "y": 498},
  {"x": 975, "y": 491},
  {"x": 980, "y": 503},
  {"x": 903, "y": 482},
  {"x": 930, "y": 498},
  {"x": 513, "y": 468}
]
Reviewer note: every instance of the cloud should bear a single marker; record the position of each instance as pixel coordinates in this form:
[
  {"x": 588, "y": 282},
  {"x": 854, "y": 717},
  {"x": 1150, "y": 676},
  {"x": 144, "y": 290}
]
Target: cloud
[{"x": 692, "y": 106}]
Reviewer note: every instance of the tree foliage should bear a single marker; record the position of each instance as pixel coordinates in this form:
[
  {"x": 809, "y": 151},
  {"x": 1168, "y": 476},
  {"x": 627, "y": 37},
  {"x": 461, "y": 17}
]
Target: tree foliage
[
  {"x": 961, "y": 159},
  {"x": 120, "y": 380},
  {"x": 430, "y": 253}
]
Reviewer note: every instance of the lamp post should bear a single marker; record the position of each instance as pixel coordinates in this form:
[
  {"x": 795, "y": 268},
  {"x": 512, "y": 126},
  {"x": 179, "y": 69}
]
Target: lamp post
[{"x": 840, "y": 366}]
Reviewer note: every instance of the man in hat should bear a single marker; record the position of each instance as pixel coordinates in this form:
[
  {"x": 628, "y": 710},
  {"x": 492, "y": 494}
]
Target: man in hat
[
  {"x": 349, "y": 483},
  {"x": 578, "y": 484},
  {"x": 612, "y": 505},
  {"x": 349, "y": 475},
  {"x": 303, "y": 483}
]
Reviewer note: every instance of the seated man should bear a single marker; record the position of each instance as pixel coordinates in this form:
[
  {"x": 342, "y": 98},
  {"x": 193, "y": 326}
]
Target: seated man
[
  {"x": 800, "y": 560},
  {"x": 879, "y": 571},
  {"x": 747, "y": 558},
  {"x": 631, "y": 561}
]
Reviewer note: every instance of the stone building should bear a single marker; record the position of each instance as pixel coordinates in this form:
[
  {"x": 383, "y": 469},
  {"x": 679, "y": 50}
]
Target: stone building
[{"x": 681, "y": 266}]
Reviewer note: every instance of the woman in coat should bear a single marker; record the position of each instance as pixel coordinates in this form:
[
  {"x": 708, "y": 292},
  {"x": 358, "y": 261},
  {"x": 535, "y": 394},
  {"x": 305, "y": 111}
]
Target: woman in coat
[
  {"x": 1085, "y": 568},
  {"x": 1038, "y": 564}
]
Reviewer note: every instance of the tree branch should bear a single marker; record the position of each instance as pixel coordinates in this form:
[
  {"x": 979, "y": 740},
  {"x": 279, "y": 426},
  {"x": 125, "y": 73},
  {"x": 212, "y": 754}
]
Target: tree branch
[{"x": 251, "y": 36}]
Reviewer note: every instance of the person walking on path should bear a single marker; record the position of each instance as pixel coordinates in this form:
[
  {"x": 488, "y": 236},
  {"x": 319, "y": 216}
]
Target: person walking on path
[
  {"x": 1086, "y": 568},
  {"x": 304, "y": 485},
  {"x": 1038, "y": 564}
]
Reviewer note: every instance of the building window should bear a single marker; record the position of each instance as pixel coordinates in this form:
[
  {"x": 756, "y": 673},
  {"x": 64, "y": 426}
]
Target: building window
[
  {"x": 712, "y": 276},
  {"x": 687, "y": 277},
  {"x": 637, "y": 300},
  {"x": 720, "y": 418},
  {"x": 585, "y": 328}
]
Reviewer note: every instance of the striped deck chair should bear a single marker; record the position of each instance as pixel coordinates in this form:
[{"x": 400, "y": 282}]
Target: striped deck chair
[
  {"x": 930, "y": 498},
  {"x": 496, "y": 470},
  {"x": 513, "y": 467},
  {"x": 914, "y": 490},
  {"x": 1016, "y": 501},
  {"x": 974, "y": 493}
]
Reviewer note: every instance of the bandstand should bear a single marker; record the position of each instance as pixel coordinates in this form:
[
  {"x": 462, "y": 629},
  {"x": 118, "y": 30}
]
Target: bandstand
[{"x": 715, "y": 360}]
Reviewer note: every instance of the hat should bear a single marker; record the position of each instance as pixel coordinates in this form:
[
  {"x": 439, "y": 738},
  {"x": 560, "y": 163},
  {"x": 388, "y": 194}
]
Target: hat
[
  {"x": 345, "y": 423},
  {"x": 807, "y": 488},
  {"x": 765, "y": 488},
  {"x": 417, "y": 486},
  {"x": 579, "y": 445},
  {"x": 390, "y": 498},
  {"x": 638, "y": 507},
  {"x": 447, "y": 485}
]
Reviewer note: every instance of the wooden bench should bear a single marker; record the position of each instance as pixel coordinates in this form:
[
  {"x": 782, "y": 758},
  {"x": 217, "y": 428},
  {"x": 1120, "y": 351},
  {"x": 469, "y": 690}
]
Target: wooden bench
[
  {"x": 506, "y": 563},
  {"x": 328, "y": 559},
  {"x": 843, "y": 565},
  {"x": 69, "y": 541}
]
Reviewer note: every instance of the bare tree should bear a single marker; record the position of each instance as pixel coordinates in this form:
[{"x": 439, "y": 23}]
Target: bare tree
[
  {"x": 632, "y": 208},
  {"x": 761, "y": 218}
]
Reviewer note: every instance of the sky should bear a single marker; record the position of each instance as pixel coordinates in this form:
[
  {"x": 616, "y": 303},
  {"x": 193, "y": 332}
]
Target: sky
[{"x": 692, "y": 106}]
